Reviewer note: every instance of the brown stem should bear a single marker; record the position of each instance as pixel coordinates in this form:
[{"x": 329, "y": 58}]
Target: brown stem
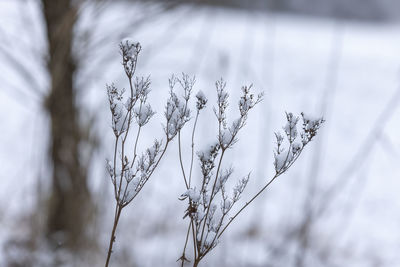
[
  {"x": 183, "y": 258},
  {"x": 118, "y": 210},
  {"x": 196, "y": 262}
]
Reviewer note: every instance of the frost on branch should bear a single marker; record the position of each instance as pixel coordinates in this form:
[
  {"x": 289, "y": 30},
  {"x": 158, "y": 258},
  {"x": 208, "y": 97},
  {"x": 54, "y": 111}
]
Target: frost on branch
[
  {"x": 248, "y": 101},
  {"x": 227, "y": 134},
  {"x": 310, "y": 127},
  {"x": 129, "y": 173},
  {"x": 286, "y": 156},
  {"x": 209, "y": 206},
  {"x": 201, "y": 100},
  {"x": 129, "y": 169},
  {"x": 130, "y": 51},
  {"x": 177, "y": 112}
]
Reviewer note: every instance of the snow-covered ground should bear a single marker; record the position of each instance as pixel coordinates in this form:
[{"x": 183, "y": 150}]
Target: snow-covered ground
[{"x": 346, "y": 71}]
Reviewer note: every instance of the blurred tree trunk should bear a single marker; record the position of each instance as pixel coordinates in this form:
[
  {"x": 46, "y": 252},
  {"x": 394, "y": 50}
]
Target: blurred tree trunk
[{"x": 69, "y": 202}]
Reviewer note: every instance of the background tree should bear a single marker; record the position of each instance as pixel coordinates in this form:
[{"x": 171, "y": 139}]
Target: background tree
[
  {"x": 69, "y": 204},
  {"x": 70, "y": 201}
]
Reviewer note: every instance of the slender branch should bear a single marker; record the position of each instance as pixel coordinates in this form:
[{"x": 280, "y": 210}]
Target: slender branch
[
  {"x": 212, "y": 192},
  {"x": 137, "y": 138},
  {"x": 279, "y": 173},
  {"x": 118, "y": 209},
  {"x": 180, "y": 160},
  {"x": 194, "y": 240},
  {"x": 192, "y": 158},
  {"x": 183, "y": 258},
  {"x": 129, "y": 115},
  {"x": 114, "y": 167},
  {"x": 149, "y": 175},
  {"x": 134, "y": 149},
  {"x": 248, "y": 203}
]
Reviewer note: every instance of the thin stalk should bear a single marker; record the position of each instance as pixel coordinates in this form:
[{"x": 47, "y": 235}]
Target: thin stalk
[
  {"x": 211, "y": 196},
  {"x": 281, "y": 171},
  {"x": 134, "y": 150},
  {"x": 180, "y": 160},
  {"x": 129, "y": 114},
  {"x": 114, "y": 167},
  {"x": 191, "y": 160},
  {"x": 194, "y": 240},
  {"x": 248, "y": 203},
  {"x": 154, "y": 167},
  {"x": 196, "y": 262},
  {"x": 118, "y": 209},
  {"x": 183, "y": 258},
  {"x": 137, "y": 138}
]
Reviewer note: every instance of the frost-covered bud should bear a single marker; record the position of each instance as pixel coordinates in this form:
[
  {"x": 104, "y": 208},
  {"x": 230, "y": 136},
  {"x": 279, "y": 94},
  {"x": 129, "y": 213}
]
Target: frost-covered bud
[
  {"x": 142, "y": 88},
  {"x": 279, "y": 138},
  {"x": 201, "y": 100},
  {"x": 176, "y": 113},
  {"x": 207, "y": 160},
  {"x": 296, "y": 147},
  {"x": 129, "y": 47},
  {"x": 143, "y": 115},
  {"x": 222, "y": 95},
  {"x": 153, "y": 151},
  {"x": 248, "y": 101},
  {"x": 239, "y": 188},
  {"x": 224, "y": 138},
  {"x": 192, "y": 193},
  {"x": 187, "y": 84},
  {"x": 281, "y": 160},
  {"x": 171, "y": 107},
  {"x": 192, "y": 210},
  {"x": 115, "y": 98},
  {"x": 129, "y": 175},
  {"x": 226, "y": 205},
  {"x": 130, "y": 103},
  {"x": 310, "y": 127},
  {"x": 222, "y": 102},
  {"x": 279, "y": 141},
  {"x": 291, "y": 127},
  {"x": 129, "y": 51},
  {"x": 110, "y": 170},
  {"x": 222, "y": 179}
]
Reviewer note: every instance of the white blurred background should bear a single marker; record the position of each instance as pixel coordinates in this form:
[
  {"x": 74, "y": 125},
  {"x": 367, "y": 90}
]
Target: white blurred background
[{"x": 339, "y": 205}]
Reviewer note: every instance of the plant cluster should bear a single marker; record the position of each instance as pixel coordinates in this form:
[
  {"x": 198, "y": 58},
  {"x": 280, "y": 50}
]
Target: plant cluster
[
  {"x": 130, "y": 170},
  {"x": 209, "y": 200}
]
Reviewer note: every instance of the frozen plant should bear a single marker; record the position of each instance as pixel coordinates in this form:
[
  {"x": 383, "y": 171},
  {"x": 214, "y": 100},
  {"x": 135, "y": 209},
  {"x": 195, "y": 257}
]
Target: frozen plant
[
  {"x": 209, "y": 202},
  {"x": 130, "y": 170}
]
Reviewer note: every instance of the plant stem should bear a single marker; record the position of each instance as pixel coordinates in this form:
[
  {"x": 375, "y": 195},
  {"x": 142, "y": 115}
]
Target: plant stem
[
  {"x": 191, "y": 161},
  {"x": 183, "y": 258},
  {"x": 196, "y": 262},
  {"x": 180, "y": 160},
  {"x": 248, "y": 203},
  {"x": 118, "y": 210},
  {"x": 211, "y": 196}
]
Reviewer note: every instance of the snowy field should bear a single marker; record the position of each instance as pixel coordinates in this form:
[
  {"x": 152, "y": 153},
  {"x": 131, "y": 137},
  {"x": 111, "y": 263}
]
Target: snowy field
[{"x": 346, "y": 71}]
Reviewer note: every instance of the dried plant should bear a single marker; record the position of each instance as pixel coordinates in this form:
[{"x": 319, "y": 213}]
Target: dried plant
[
  {"x": 130, "y": 170},
  {"x": 209, "y": 203}
]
